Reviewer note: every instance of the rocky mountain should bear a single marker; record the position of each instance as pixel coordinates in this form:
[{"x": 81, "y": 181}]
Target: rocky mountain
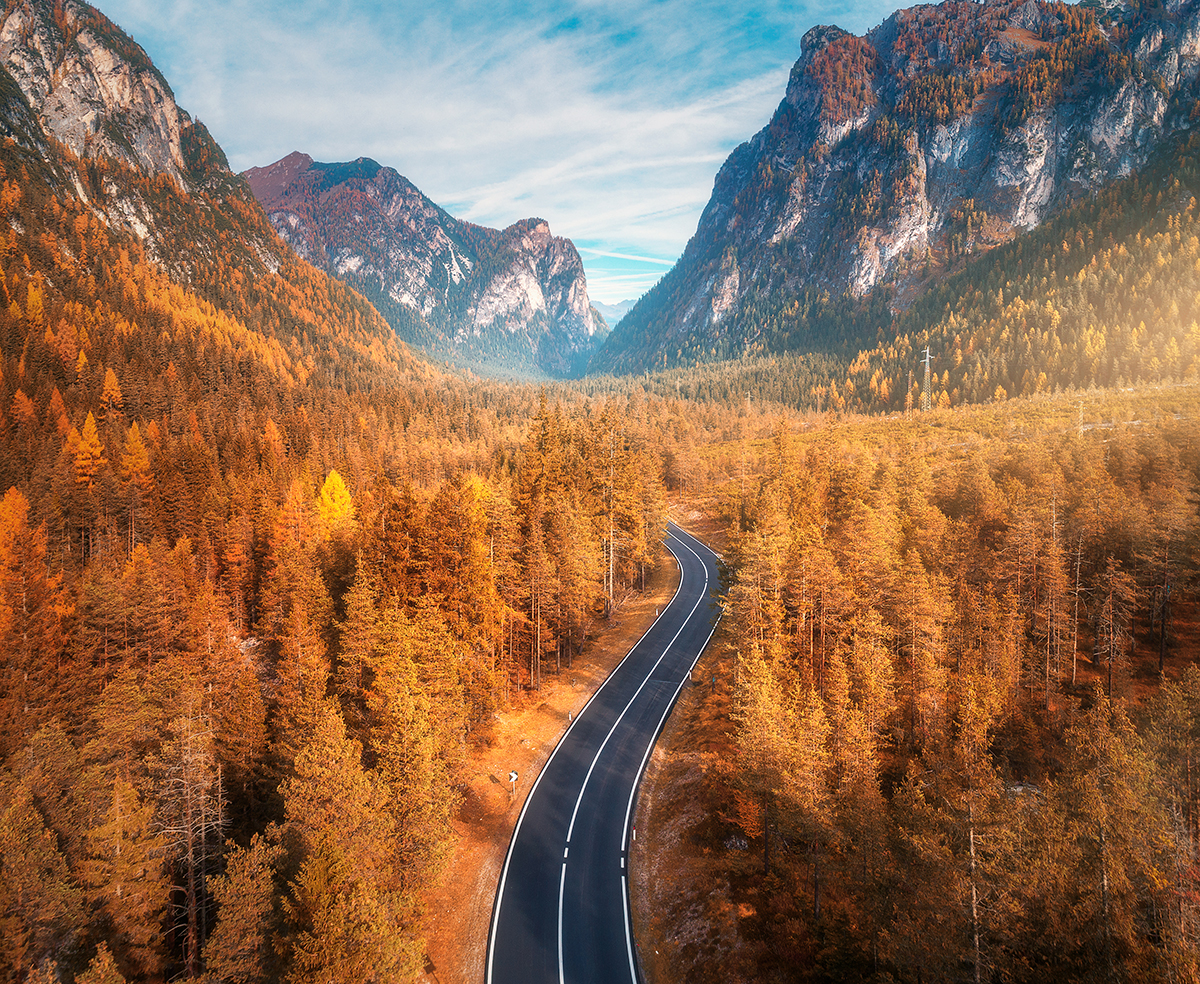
[
  {"x": 118, "y": 201},
  {"x": 614, "y": 312},
  {"x": 945, "y": 131},
  {"x": 87, "y": 104},
  {"x": 514, "y": 299}
]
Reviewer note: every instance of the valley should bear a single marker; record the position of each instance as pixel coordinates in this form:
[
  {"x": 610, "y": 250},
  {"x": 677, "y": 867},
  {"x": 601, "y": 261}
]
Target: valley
[{"x": 322, "y": 509}]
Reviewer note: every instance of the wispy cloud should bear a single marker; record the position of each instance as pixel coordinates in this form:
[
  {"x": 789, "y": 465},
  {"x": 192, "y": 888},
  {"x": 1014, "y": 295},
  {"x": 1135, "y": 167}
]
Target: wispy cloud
[
  {"x": 587, "y": 251},
  {"x": 608, "y": 118}
]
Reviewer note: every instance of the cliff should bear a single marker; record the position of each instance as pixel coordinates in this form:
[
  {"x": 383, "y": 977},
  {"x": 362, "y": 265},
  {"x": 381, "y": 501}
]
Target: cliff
[
  {"x": 514, "y": 300},
  {"x": 945, "y": 131}
]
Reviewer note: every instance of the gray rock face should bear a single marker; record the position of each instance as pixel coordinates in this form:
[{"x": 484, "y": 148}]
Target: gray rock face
[
  {"x": 93, "y": 89},
  {"x": 73, "y": 81},
  {"x": 944, "y": 131},
  {"x": 513, "y": 296}
]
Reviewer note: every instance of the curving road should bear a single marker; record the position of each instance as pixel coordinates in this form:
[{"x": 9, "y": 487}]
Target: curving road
[{"x": 562, "y": 906}]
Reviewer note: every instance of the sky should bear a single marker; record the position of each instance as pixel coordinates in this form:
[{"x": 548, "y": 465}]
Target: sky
[{"x": 607, "y": 118}]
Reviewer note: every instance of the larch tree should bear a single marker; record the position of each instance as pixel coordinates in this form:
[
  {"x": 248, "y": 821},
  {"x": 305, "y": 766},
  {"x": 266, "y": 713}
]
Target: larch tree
[
  {"x": 35, "y": 677},
  {"x": 1118, "y": 842},
  {"x": 417, "y": 727},
  {"x": 303, "y": 680},
  {"x": 345, "y": 918},
  {"x": 126, "y": 881},
  {"x": 239, "y": 949},
  {"x": 138, "y": 475},
  {"x": 112, "y": 403},
  {"x": 42, "y": 907},
  {"x": 102, "y": 969}
]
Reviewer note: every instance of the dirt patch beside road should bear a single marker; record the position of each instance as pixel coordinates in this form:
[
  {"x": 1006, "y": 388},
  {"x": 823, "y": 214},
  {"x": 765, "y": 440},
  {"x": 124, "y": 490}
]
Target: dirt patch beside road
[{"x": 459, "y": 910}]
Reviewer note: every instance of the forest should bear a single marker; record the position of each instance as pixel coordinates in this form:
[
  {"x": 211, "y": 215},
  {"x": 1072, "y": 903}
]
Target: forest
[
  {"x": 265, "y": 577},
  {"x": 965, "y": 706}
]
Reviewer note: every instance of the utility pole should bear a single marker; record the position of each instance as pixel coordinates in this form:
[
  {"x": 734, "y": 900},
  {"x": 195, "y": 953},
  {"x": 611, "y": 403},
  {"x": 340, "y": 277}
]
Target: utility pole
[{"x": 926, "y": 400}]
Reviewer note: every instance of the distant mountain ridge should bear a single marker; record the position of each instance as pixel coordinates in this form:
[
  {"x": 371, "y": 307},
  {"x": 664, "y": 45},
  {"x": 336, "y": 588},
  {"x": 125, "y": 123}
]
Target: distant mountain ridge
[
  {"x": 613, "y": 313},
  {"x": 513, "y": 298},
  {"x": 944, "y": 131}
]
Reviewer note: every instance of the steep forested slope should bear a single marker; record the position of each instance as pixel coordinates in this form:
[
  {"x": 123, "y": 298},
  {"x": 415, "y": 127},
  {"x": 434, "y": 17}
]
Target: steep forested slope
[
  {"x": 946, "y": 131},
  {"x": 262, "y": 572}
]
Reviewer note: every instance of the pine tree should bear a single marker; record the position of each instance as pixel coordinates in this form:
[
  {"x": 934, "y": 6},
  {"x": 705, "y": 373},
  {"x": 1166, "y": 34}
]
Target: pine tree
[
  {"x": 126, "y": 882},
  {"x": 358, "y": 637},
  {"x": 1117, "y": 843},
  {"x": 239, "y": 950},
  {"x": 416, "y": 715}
]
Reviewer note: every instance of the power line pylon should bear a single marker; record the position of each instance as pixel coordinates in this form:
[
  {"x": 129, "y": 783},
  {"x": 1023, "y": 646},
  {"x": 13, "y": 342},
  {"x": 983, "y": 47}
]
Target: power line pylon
[{"x": 926, "y": 395}]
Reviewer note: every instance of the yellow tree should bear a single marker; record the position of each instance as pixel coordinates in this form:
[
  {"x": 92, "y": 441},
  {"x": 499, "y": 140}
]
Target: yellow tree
[
  {"x": 335, "y": 507},
  {"x": 89, "y": 454},
  {"x": 102, "y": 969},
  {"x": 111, "y": 400}
]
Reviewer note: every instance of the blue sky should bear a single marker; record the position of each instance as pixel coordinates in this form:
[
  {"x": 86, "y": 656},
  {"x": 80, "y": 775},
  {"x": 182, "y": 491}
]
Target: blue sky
[{"x": 608, "y": 118}]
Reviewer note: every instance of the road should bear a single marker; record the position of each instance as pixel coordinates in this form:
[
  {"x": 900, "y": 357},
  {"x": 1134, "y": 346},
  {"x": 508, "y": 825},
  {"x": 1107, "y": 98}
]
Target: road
[{"x": 562, "y": 905}]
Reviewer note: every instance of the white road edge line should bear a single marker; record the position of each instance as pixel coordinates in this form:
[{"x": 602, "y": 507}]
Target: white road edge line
[
  {"x": 646, "y": 758},
  {"x": 666, "y": 649},
  {"x": 562, "y": 881},
  {"x": 628, "y": 935},
  {"x": 533, "y": 789}
]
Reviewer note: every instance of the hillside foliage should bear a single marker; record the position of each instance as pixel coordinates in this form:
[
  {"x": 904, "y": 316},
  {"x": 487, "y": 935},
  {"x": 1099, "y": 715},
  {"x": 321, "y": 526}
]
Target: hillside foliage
[{"x": 264, "y": 576}]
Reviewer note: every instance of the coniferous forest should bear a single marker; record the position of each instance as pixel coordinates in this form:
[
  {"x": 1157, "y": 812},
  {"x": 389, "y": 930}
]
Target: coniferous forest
[
  {"x": 964, "y": 699},
  {"x": 265, "y": 574},
  {"x": 267, "y": 577}
]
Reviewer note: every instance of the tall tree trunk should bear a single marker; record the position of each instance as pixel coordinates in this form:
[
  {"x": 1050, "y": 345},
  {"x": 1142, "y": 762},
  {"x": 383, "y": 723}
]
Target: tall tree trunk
[
  {"x": 817, "y": 880},
  {"x": 1074, "y": 631},
  {"x": 974, "y": 890},
  {"x": 766, "y": 832}
]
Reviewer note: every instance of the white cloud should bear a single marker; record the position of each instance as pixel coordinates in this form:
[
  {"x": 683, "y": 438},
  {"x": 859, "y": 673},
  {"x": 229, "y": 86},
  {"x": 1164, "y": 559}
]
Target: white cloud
[{"x": 608, "y": 118}]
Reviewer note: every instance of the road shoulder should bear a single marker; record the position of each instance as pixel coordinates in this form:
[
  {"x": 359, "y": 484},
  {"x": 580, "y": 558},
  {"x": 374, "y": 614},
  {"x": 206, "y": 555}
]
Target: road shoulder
[{"x": 459, "y": 908}]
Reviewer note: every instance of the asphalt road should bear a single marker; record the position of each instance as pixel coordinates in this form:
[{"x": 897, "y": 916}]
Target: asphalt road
[{"x": 562, "y": 906}]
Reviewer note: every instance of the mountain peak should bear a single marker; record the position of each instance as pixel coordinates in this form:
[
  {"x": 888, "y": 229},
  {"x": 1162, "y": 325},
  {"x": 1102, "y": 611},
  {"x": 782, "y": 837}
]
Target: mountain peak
[
  {"x": 946, "y": 130},
  {"x": 94, "y": 89},
  {"x": 269, "y": 183},
  {"x": 512, "y": 298}
]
